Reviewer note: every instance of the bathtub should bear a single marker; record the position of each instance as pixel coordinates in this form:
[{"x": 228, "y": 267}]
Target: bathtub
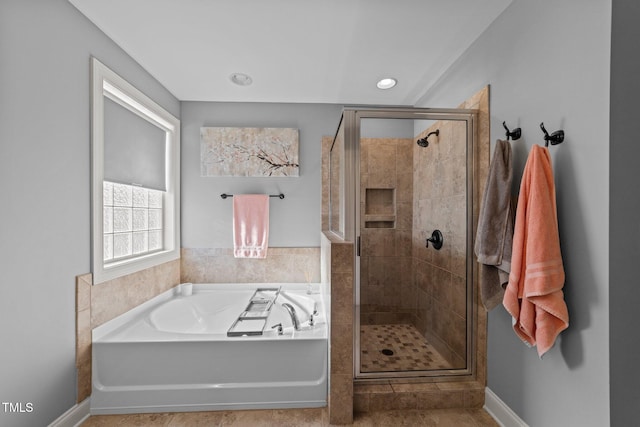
[{"x": 173, "y": 354}]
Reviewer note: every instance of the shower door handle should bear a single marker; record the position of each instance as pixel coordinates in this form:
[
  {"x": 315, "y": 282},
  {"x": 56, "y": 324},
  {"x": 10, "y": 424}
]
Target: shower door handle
[{"x": 358, "y": 246}]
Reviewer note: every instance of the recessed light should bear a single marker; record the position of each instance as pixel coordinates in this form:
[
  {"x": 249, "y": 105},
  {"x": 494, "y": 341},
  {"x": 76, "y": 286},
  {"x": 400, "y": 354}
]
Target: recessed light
[
  {"x": 386, "y": 83},
  {"x": 241, "y": 79}
]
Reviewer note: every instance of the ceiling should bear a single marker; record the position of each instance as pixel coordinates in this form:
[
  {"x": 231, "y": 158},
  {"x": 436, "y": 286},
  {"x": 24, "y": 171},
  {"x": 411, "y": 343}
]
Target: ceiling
[{"x": 322, "y": 51}]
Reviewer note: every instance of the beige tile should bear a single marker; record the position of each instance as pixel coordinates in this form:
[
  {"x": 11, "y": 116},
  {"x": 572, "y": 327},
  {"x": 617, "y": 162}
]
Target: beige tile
[
  {"x": 414, "y": 387},
  {"x": 394, "y": 418},
  {"x": 360, "y": 403},
  {"x": 159, "y": 419},
  {"x": 450, "y": 418},
  {"x": 196, "y": 419},
  {"x": 341, "y": 349},
  {"x": 83, "y": 291},
  {"x": 83, "y": 331},
  {"x": 300, "y": 417},
  {"x": 247, "y": 418},
  {"x": 342, "y": 258},
  {"x": 474, "y": 398},
  {"x": 104, "y": 421},
  {"x": 83, "y": 379},
  {"x": 482, "y": 418},
  {"x": 439, "y": 399},
  {"x": 341, "y": 399},
  {"x": 369, "y": 388}
]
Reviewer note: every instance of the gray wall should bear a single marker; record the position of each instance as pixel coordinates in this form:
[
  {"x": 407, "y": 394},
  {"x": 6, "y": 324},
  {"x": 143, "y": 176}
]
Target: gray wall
[
  {"x": 548, "y": 61},
  {"x": 624, "y": 238},
  {"x": 295, "y": 220},
  {"x": 45, "y": 46}
]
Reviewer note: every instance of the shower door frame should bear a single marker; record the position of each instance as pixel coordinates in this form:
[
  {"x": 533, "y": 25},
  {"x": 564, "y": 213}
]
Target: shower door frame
[{"x": 352, "y": 117}]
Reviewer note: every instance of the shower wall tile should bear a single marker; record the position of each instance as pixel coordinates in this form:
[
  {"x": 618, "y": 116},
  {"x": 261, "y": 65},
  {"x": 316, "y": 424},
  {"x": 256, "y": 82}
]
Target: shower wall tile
[
  {"x": 404, "y": 181},
  {"x": 440, "y": 185},
  {"x": 386, "y": 252},
  {"x": 381, "y": 157},
  {"x": 404, "y": 216},
  {"x": 404, "y": 155},
  {"x": 381, "y": 179},
  {"x": 458, "y": 295}
]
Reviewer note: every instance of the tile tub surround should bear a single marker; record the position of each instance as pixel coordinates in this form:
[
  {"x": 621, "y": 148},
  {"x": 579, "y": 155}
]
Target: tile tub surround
[
  {"x": 83, "y": 336},
  {"x": 218, "y": 265},
  {"x": 96, "y": 305},
  {"x": 114, "y": 297}
]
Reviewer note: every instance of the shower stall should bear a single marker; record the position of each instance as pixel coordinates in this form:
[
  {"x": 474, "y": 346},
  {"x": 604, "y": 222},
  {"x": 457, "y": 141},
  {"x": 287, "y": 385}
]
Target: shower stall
[{"x": 402, "y": 187}]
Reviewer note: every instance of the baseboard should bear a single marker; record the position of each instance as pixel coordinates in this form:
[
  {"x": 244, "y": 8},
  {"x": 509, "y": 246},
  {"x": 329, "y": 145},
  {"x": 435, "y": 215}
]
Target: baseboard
[
  {"x": 74, "y": 416},
  {"x": 500, "y": 411}
]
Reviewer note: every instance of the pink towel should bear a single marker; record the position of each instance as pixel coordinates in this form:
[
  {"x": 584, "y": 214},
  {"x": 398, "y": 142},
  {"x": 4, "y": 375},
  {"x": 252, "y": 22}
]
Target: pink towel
[
  {"x": 534, "y": 296},
  {"x": 250, "y": 225}
]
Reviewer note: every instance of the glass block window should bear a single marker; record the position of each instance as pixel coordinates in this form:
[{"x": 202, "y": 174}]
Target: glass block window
[{"x": 132, "y": 221}]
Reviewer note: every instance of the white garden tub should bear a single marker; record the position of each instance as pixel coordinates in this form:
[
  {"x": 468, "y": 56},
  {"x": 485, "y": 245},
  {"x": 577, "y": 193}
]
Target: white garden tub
[{"x": 173, "y": 354}]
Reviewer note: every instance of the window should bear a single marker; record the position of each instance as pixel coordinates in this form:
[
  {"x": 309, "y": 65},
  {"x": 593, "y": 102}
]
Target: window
[
  {"x": 135, "y": 178},
  {"x": 132, "y": 221}
]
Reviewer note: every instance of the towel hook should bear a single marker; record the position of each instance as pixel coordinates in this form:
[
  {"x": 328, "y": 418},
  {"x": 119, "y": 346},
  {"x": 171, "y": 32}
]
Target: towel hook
[
  {"x": 555, "y": 138},
  {"x": 515, "y": 134}
]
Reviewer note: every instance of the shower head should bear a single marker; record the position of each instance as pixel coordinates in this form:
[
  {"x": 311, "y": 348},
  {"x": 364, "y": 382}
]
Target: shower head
[{"x": 424, "y": 142}]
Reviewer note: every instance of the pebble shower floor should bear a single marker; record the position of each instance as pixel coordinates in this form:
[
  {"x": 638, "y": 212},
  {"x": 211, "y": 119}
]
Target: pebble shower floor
[{"x": 394, "y": 348}]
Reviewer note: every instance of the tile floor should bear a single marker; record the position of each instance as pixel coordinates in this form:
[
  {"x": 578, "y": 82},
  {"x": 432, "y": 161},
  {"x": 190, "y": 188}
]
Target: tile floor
[
  {"x": 397, "y": 347},
  {"x": 298, "y": 418}
]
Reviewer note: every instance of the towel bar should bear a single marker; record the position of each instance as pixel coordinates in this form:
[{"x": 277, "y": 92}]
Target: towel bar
[{"x": 280, "y": 196}]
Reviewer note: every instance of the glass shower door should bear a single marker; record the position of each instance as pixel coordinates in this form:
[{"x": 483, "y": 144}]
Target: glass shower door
[{"x": 413, "y": 302}]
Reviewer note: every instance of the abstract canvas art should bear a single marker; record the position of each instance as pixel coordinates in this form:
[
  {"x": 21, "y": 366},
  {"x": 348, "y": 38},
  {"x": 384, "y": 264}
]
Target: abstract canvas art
[{"x": 266, "y": 152}]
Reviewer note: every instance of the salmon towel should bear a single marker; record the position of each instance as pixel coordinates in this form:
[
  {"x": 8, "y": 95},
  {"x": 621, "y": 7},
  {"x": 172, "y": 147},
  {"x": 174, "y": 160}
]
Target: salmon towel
[
  {"x": 534, "y": 296},
  {"x": 250, "y": 225}
]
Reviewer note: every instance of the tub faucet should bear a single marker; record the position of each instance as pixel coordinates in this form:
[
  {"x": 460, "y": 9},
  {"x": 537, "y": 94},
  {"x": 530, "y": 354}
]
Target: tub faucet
[{"x": 292, "y": 313}]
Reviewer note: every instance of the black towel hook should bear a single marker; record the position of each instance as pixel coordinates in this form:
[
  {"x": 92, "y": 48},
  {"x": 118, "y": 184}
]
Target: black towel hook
[
  {"x": 515, "y": 134},
  {"x": 555, "y": 138}
]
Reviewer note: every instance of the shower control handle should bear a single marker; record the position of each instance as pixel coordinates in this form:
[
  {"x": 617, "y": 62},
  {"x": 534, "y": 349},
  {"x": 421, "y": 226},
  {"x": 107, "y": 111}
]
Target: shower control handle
[{"x": 436, "y": 238}]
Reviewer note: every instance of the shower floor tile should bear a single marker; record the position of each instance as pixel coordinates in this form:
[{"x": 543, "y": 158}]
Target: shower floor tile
[{"x": 394, "y": 348}]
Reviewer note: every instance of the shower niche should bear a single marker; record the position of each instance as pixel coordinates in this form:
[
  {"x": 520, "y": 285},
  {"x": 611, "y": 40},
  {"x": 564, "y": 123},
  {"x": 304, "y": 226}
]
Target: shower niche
[
  {"x": 379, "y": 208},
  {"x": 404, "y": 173}
]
